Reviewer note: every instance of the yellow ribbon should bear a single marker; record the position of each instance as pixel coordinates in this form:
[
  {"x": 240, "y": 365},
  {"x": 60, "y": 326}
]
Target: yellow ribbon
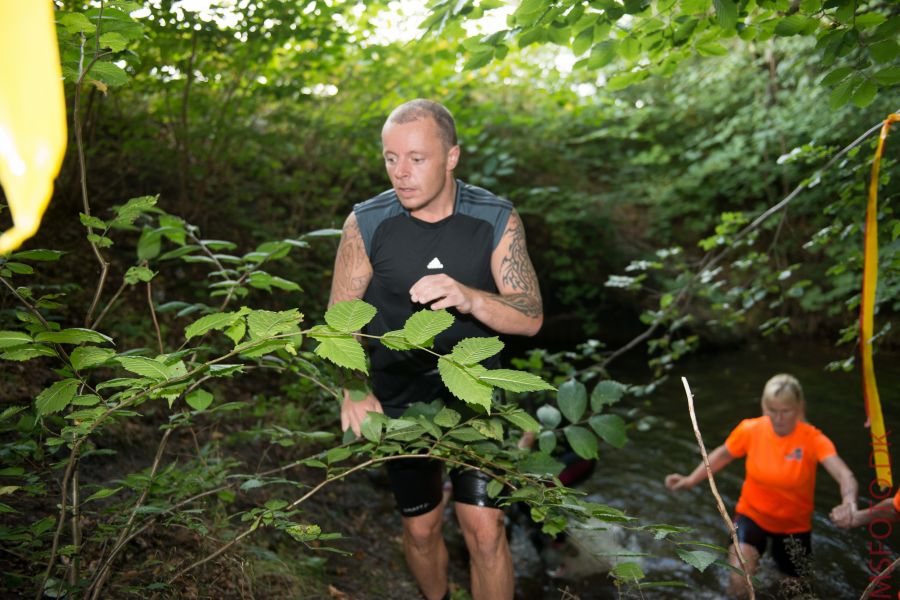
[
  {"x": 32, "y": 114},
  {"x": 880, "y": 452}
]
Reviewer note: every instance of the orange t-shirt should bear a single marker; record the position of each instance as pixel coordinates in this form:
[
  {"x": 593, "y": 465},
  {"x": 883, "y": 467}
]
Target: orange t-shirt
[
  {"x": 781, "y": 473},
  {"x": 897, "y": 503}
]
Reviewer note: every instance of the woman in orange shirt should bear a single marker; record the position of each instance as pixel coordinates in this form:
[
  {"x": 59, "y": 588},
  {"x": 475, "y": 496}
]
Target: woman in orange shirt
[{"x": 776, "y": 503}]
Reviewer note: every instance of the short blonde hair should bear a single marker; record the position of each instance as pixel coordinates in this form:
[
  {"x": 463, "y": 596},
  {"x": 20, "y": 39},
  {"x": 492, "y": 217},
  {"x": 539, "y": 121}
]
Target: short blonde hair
[{"x": 784, "y": 385}]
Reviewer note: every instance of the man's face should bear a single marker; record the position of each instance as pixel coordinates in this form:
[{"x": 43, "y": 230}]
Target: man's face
[{"x": 417, "y": 161}]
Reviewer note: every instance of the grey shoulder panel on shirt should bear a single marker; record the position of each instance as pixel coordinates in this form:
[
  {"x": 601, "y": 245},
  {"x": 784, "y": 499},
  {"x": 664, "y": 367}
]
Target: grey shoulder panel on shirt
[
  {"x": 481, "y": 204},
  {"x": 371, "y": 213}
]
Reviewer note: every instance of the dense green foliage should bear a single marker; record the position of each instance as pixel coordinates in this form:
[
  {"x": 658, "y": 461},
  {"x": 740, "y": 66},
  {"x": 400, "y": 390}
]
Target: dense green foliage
[{"x": 220, "y": 153}]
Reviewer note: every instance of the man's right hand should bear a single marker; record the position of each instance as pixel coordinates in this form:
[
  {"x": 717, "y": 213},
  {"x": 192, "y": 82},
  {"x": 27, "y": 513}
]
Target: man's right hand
[{"x": 353, "y": 413}]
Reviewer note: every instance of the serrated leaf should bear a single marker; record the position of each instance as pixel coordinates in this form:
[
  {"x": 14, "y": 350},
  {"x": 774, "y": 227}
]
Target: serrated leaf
[
  {"x": 447, "y": 418},
  {"x": 474, "y": 350},
  {"x": 572, "y": 399},
  {"x": 113, "y": 40},
  {"x": 132, "y": 209},
  {"x": 38, "y": 255},
  {"x": 549, "y": 416},
  {"x": 836, "y": 76},
  {"x": 395, "y": 340},
  {"x": 726, "y": 13},
  {"x": 514, "y": 381},
  {"x": 523, "y": 421},
  {"x": 841, "y": 94},
  {"x": 864, "y": 94},
  {"x": 264, "y": 323},
  {"x": 699, "y": 559},
  {"x": 463, "y": 385},
  {"x": 491, "y": 429},
  {"x": 75, "y": 335},
  {"x": 9, "y": 339},
  {"x": 109, "y": 73},
  {"x": 199, "y": 399},
  {"x": 85, "y": 357},
  {"x": 611, "y": 428},
  {"x": 494, "y": 488},
  {"x": 888, "y": 76},
  {"x": 147, "y": 367},
  {"x": 236, "y": 331},
  {"x": 605, "y": 393},
  {"x": 628, "y": 571},
  {"x": 86, "y": 400},
  {"x": 103, "y": 493},
  {"x": 76, "y": 22},
  {"x": 371, "y": 428},
  {"x": 136, "y": 275},
  {"x": 422, "y": 326},
  {"x": 539, "y": 463},
  {"x": 338, "y": 454},
  {"x": 547, "y": 441},
  {"x": 91, "y": 221},
  {"x": 349, "y": 316},
  {"x": 466, "y": 434},
  {"x": 56, "y": 397},
  {"x": 210, "y": 322},
  {"x": 582, "y": 441},
  {"x": 23, "y": 353},
  {"x": 343, "y": 351}
]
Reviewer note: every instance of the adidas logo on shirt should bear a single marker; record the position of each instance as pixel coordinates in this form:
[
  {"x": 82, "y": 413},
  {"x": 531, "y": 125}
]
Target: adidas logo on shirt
[{"x": 435, "y": 263}]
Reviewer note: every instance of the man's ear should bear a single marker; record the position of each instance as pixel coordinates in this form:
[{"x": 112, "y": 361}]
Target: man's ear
[{"x": 452, "y": 157}]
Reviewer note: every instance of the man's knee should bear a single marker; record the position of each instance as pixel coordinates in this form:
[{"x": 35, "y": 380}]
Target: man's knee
[
  {"x": 422, "y": 532},
  {"x": 486, "y": 535}
]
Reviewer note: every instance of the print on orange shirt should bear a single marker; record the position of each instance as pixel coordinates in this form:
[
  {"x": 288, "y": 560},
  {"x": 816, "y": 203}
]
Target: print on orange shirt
[{"x": 781, "y": 473}]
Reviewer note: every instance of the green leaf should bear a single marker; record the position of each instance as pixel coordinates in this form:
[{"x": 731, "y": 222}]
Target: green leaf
[
  {"x": 447, "y": 417},
  {"x": 523, "y": 421},
  {"x": 726, "y": 13},
  {"x": 103, "y": 493},
  {"x": 131, "y": 210},
  {"x": 422, "y": 326},
  {"x": 149, "y": 244},
  {"x": 37, "y": 255},
  {"x": 111, "y": 74},
  {"x": 602, "y": 54},
  {"x": 474, "y": 350},
  {"x": 549, "y": 416},
  {"x": 91, "y": 221},
  {"x": 210, "y": 322},
  {"x": 335, "y": 455},
  {"x": 350, "y": 316},
  {"x": 371, "y": 427},
  {"x": 463, "y": 385},
  {"x": 86, "y": 400},
  {"x": 466, "y": 434},
  {"x": 628, "y": 571},
  {"x": 22, "y": 353},
  {"x": 343, "y": 351},
  {"x": 264, "y": 323},
  {"x": 884, "y": 51},
  {"x": 792, "y": 25},
  {"x": 699, "y": 559},
  {"x": 494, "y": 488},
  {"x": 547, "y": 441},
  {"x": 583, "y": 442},
  {"x": 611, "y": 428},
  {"x": 572, "y": 399},
  {"x": 147, "y": 367},
  {"x": 236, "y": 331},
  {"x": 539, "y": 463},
  {"x": 395, "y": 340},
  {"x": 113, "y": 40},
  {"x": 620, "y": 81},
  {"x": 9, "y": 339},
  {"x": 19, "y": 268},
  {"x": 136, "y": 275},
  {"x": 85, "y": 357},
  {"x": 606, "y": 392},
  {"x": 836, "y": 76},
  {"x": 888, "y": 76},
  {"x": 76, "y": 22},
  {"x": 864, "y": 94},
  {"x": 199, "y": 399},
  {"x": 711, "y": 49},
  {"x": 514, "y": 381},
  {"x": 491, "y": 429},
  {"x": 583, "y": 41},
  {"x": 841, "y": 94},
  {"x": 76, "y": 335},
  {"x": 479, "y": 59},
  {"x": 56, "y": 397}
]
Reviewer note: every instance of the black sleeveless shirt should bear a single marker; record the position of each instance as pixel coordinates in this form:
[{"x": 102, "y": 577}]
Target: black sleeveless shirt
[{"x": 402, "y": 250}]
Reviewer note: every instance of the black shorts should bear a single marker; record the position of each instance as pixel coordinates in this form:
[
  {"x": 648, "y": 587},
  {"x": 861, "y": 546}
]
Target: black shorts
[
  {"x": 418, "y": 484},
  {"x": 790, "y": 551}
]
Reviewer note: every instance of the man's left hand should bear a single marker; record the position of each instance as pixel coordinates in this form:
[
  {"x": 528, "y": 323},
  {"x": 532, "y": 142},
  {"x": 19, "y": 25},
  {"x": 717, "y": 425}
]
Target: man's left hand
[{"x": 444, "y": 291}]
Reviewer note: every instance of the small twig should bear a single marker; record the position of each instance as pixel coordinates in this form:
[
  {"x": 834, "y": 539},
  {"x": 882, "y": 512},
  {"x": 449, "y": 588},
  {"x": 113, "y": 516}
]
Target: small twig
[
  {"x": 153, "y": 315},
  {"x": 109, "y": 305},
  {"x": 878, "y": 579},
  {"x": 715, "y": 491}
]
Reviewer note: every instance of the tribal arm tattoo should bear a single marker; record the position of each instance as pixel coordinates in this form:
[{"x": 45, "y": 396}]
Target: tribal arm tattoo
[
  {"x": 352, "y": 270},
  {"x": 517, "y": 277}
]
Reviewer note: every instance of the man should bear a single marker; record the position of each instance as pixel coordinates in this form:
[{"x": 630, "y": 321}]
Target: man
[{"x": 435, "y": 242}]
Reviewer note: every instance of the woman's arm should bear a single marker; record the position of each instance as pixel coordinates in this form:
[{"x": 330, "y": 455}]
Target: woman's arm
[
  {"x": 841, "y": 473},
  {"x": 718, "y": 460}
]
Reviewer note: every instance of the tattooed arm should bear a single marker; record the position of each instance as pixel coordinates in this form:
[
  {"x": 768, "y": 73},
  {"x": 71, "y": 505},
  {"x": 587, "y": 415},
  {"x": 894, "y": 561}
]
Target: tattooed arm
[
  {"x": 352, "y": 274},
  {"x": 516, "y": 309},
  {"x": 352, "y": 270}
]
